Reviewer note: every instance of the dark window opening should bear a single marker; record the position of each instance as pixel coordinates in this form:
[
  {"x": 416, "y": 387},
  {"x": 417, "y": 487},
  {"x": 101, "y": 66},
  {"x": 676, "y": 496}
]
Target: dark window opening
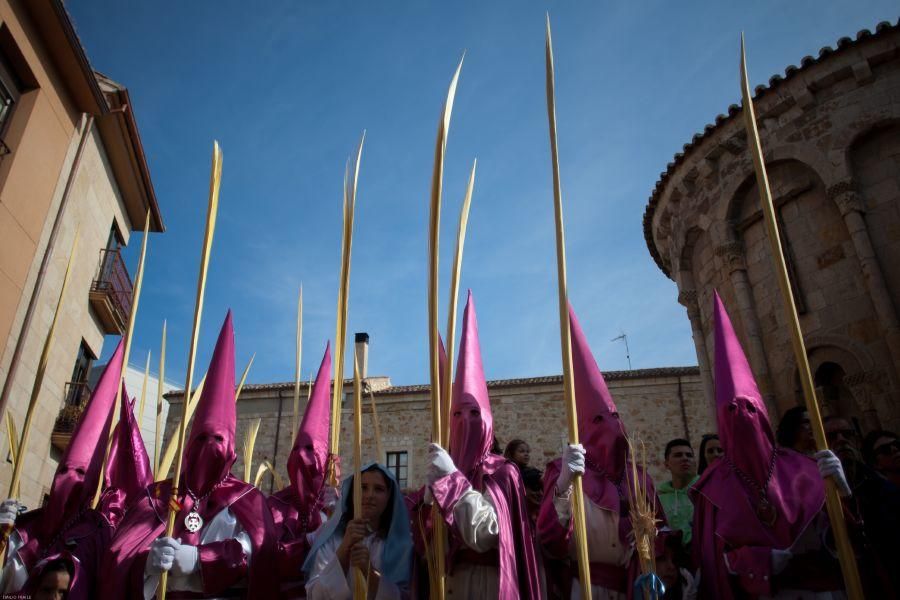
[
  {"x": 397, "y": 463},
  {"x": 78, "y": 390},
  {"x": 114, "y": 241},
  {"x": 10, "y": 91}
]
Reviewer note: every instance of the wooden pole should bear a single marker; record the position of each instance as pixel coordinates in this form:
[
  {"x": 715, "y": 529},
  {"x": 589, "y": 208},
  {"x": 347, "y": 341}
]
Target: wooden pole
[
  {"x": 350, "y": 187},
  {"x": 446, "y": 387},
  {"x": 584, "y": 570},
  {"x": 13, "y": 437},
  {"x": 22, "y": 447},
  {"x": 159, "y": 403},
  {"x": 212, "y": 210},
  {"x": 832, "y": 500},
  {"x": 437, "y": 181},
  {"x": 126, "y": 353},
  {"x": 297, "y": 363},
  {"x": 143, "y": 400},
  {"x": 359, "y": 579}
]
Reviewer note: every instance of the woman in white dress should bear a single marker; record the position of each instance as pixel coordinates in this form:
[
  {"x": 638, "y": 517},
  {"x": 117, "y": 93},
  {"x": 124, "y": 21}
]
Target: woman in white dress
[{"x": 378, "y": 542}]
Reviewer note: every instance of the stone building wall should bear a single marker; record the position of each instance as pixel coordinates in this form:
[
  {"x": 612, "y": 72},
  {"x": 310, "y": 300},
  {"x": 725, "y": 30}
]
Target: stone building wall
[
  {"x": 830, "y": 132},
  {"x": 94, "y": 205},
  {"x": 656, "y": 405},
  {"x": 70, "y": 160}
]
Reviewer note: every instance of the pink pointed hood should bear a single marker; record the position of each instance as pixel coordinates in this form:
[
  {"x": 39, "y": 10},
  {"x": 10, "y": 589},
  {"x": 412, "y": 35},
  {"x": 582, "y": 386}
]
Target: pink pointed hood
[
  {"x": 128, "y": 469},
  {"x": 600, "y": 430},
  {"x": 78, "y": 472},
  {"x": 736, "y": 499},
  {"x": 471, "y": 421},
  {"x": 309, "y": 457},
  {"x": 744, "y": 428},
  {"x": 209, "y": 452}
]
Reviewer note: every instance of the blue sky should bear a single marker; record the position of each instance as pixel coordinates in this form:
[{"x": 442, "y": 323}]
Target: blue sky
[{"x": 287, "y": 88}]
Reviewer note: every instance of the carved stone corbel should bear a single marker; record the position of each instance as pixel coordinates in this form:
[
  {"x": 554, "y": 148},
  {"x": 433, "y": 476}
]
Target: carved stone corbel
[
  {"x": 688, "y": 299},
  {"x": 732, "y": 254},
  {"x": 844, "y": 194}
]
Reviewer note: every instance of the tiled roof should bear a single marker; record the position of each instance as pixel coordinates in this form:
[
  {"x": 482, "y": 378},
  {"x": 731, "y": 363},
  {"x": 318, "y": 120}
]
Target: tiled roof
[
  {"x": 495, "y": 383},
  {"x": 557, "y": 379},
  {"x": 262, "y": 387},
  {"x": 843, "y": 44}
]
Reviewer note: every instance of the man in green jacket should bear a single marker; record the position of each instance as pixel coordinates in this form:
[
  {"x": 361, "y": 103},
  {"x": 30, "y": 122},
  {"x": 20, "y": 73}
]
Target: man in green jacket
[{"x": 679, "y": 460}]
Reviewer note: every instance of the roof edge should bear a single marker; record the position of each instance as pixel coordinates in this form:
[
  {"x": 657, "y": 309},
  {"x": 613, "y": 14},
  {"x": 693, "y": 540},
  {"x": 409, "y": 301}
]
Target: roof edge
[
  {"x": 843, "y": 44},
  {"x": 492, "y": 384}
]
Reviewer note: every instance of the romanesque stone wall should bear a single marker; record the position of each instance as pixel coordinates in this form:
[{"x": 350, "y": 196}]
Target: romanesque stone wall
[
  {"x": 656, "y": 407},
  {"x": 831, "y": 139}
]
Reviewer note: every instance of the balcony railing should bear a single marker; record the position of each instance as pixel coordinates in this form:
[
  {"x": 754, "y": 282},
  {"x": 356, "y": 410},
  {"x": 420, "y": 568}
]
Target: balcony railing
[
  {"x": 111, "y": 292},
  {"x": 77, "y": 394}
]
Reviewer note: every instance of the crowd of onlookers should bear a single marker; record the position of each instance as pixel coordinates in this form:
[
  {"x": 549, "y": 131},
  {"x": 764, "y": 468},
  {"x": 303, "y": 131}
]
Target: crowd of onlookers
[{"x": 871, "y": 464}]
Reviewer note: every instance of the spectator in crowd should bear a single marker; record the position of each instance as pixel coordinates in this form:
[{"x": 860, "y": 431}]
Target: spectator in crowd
[
  {"x": 672, "y": 567},
  {"x": 673, "y": 494},
  {"x": 378, "y": 542},
  {"x": 794, "y": 431},
  {"x": 875, "y": 508},
  {"x": 710, "y": 451},
  {"x": 881, "y": 451},
  {"x": 519, "y": 452},
  {"x": 51, "y": 579}
]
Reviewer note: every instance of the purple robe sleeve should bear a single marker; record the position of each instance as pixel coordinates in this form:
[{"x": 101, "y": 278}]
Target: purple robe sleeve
[
  {"x": 553, "y": 536},
  {"x": 753, "y": 567},
  {"x": 709, "y": 553},
  {"x": 519, "y": 578},
  {"x": 447, "y": 491},
  {"x": 290, "y": 557},
  {"x": 222, "y": 564}
]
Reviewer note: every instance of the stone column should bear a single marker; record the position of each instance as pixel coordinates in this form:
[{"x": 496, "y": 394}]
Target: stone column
[
  {"x": 688, "y": 299},
  {"x": 732, "y": 254},
  {"x": 859, "y": 386},
  {"x": 844, "y": 194}
]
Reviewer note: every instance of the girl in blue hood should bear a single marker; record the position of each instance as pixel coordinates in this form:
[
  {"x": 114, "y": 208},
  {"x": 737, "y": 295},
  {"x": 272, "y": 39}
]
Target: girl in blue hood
[{"x": 379, "y": 542}]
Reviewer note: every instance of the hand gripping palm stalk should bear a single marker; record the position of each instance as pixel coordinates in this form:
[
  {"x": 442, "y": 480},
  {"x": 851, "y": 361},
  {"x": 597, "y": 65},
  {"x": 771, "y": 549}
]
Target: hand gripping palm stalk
[
  {"x": 832, "y": 500},
  {"x": 211, "y": 212},
  {"x": 584, "y": 570}
]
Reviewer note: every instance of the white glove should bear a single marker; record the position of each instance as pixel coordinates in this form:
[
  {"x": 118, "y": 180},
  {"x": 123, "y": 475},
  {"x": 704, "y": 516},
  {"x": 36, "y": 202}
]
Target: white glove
[
  {"x": 330, "y": 498},
  {"x": 439, "y": 463},
  {"x": 830, "y": 466},
  {"x": 9, "y": 510},
  {"x": 187, "y": 559},
  {"x": 780, "y": 560},
  {"x": 572, "y": 462},
  {"x": 161, "y": 556},
  {"x": 691, "y": 586}
]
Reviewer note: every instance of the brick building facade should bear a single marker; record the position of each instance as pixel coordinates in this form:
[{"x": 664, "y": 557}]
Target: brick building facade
[
  {"x": 830, "y": 131},
  {"x": 656, "y": 405}
]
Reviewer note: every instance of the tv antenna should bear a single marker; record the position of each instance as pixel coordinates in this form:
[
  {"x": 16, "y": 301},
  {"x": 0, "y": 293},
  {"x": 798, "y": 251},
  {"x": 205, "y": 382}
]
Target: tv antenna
[{"x": 624, "y": 338}]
